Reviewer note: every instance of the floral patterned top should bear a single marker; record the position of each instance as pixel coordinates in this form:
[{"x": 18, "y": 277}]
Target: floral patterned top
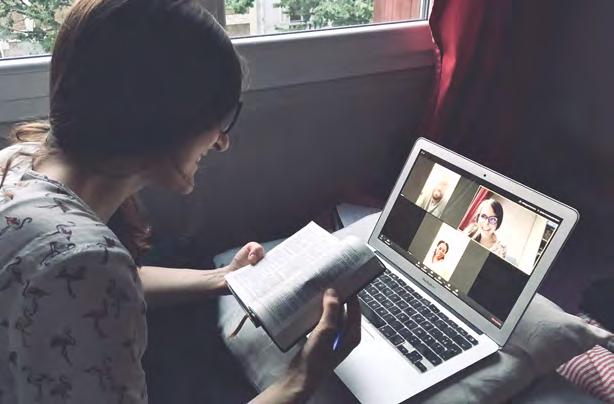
[{"x": 72, "y": 310}]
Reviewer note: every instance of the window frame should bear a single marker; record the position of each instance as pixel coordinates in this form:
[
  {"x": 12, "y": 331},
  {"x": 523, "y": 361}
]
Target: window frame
[{"x": 273, "y": 61}]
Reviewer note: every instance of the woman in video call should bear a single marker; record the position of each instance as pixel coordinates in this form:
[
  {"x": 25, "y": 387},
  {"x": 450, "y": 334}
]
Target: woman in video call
[
  {"x": 140, "y": 91},
  {"x": 439, "y": 255},
  {"x": 483, "y": 230}
]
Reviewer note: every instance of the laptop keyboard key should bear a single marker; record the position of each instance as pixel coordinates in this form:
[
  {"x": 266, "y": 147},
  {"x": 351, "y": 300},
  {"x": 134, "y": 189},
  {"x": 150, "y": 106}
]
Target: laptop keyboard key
[
  {"x": 366, "y": 298},
  {"x": 428, "y": 340},
  {"x": 432, "y": 318},
  {"x": 399, "y": 290},
  {"x": 388, "y": 317},
  {"x": 472, "y": 340},
  {"x": 411, "y": 324},
  {"x": 413, "y": 340},
  {"x": 437, "y": 348},
  {"x": 403, "y": 350},
  {"x": 396, "y": 325},
  {"x": 420, "y": 333},
  {"x": 387, "y": 331},
  {"x": 371, "y": 289},
  {"x": 418, "y": 318},
  {"x": 402, "y": 317},
  {"x": 424, "y": 310},
  {"x": 394, "y": 310},
  {"x": 427, "y": 326},
  {"x": 381, "y": 311},
  {"x": 410, "y": 312},
  {"x": 436, "y": 333},
  {"x": 422, "y": 348},
  {"x": 449, "y": 353},
  {"x": 374, "y": 304},
  {"x": 462, "y": 342},
  {"x": 394, "y": 298},
  {"x": 405, "y": 333},
  {"x": 387, "y": 303},
  {"x": 396, "y": 339},
  {"x": 420, "y": 366},
  {"x": 414, "y": 356},
  {"x": 431, "y": 357},
  {"x": 403, "y": 305}
]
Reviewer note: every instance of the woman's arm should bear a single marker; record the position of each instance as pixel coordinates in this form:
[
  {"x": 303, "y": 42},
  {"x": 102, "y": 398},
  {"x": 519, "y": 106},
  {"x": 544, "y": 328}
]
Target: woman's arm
[{"x": 170, "y": 286}]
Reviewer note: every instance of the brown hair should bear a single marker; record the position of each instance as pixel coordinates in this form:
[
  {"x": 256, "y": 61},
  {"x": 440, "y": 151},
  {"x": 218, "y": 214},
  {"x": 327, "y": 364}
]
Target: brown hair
[{"x": 134, "y": 78}]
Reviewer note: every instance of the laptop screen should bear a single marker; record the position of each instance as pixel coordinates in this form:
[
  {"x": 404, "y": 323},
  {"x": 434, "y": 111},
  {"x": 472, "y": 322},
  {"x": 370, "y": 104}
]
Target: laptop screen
[{"x": 478, "y": 241}]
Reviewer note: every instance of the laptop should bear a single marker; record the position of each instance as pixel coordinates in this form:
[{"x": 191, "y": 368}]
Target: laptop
[{"x": 465, "y": 249}]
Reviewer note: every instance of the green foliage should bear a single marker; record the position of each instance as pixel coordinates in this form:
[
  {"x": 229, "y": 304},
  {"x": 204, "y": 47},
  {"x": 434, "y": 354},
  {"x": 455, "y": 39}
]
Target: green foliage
[
  {"x": 41, "y": 12},
  {"x": 239, "y": 6},
  {"x": 329, "y": 13}
]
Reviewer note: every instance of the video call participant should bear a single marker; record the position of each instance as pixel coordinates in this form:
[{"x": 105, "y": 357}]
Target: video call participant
[
  {"x": 486, "y": 222},
  {"x": 439, "y": 255},
  {"x": 433, "y": 203}
]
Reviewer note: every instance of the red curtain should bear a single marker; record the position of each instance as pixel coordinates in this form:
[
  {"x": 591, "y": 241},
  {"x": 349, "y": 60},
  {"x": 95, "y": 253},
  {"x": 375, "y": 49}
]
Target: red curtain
[
  {"x": 485, "y": 51},
  {"x": 524, "y": 87}
]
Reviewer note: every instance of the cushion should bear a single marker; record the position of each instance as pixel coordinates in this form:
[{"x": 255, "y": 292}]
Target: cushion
[
  {"x": 593, "y": 372},
  {"x": 545, "y": 337}
]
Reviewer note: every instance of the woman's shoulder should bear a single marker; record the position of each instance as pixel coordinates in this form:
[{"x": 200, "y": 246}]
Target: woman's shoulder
[{"x": 46, "y": 228}]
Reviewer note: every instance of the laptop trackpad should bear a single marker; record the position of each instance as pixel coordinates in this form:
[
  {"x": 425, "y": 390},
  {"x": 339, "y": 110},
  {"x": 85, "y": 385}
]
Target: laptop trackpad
[{"x": 387, "y": 369}]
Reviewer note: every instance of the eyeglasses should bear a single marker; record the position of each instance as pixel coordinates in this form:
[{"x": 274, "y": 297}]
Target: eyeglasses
[
  {"x": 492, "y": 220},
  {"x": 229, "y": 121}
]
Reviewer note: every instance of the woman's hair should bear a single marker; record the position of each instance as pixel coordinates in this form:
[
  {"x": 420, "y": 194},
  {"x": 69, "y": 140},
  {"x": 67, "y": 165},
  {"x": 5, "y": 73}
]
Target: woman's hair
[
  {"x": 134, "y": 79},
  {"x": 438, "y": 244}
]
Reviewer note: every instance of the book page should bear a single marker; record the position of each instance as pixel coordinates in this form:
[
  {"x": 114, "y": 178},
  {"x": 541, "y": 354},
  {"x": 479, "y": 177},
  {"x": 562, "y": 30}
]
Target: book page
[{"x": 288, "y": 260}]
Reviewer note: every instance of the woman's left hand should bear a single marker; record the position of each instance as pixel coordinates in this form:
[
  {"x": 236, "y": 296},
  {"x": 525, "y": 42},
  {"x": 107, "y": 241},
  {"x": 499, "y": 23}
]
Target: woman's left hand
[{"x": 250, "y": 254}]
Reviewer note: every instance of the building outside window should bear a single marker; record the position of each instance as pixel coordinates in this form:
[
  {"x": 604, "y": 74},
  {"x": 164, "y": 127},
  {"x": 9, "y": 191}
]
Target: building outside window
[{"x": 29, "y": 27}]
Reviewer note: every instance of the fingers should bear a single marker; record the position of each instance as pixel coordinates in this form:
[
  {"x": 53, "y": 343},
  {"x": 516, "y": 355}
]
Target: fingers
[
  {"x": 250, "y": 253},
  {"x": 329, "y": 322},
  {"x": 255, "y": 252}
]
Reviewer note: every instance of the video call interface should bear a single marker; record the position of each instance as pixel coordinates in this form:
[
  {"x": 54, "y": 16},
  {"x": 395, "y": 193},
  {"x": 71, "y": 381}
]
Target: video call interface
[{"x": 478, "y": 241}]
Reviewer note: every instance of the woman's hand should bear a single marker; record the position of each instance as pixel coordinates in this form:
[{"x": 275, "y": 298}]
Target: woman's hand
[
  {"x": 317, "y": 359},
  {"x": 250, "y": 254}
]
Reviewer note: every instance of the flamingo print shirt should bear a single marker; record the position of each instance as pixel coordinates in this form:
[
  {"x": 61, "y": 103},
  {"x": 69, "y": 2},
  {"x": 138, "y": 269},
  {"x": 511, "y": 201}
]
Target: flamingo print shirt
[{"x": 72, "y": 310}]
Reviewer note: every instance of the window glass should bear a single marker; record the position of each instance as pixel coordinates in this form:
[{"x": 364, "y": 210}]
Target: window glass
[{"x": 29, "y": 27}]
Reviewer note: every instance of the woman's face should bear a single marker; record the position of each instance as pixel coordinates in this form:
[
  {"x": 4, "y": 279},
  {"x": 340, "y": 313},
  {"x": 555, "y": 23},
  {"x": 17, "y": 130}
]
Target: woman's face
[
  {"x": 181, "y": 165},
  {"x": 440, "y": 251},
  {"x": 486, "y": 228}
]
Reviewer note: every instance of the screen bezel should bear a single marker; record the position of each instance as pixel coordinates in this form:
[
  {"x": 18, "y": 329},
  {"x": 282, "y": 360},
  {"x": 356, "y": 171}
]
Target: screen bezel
[{"x": 569, "y": 217}]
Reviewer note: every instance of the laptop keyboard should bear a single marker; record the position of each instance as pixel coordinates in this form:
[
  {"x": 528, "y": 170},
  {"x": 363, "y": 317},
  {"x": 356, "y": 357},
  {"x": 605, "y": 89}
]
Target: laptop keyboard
[{"x": 415, "y": 326}]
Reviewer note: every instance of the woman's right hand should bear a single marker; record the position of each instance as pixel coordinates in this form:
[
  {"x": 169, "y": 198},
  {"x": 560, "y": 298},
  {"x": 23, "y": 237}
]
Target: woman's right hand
[{"x": 317, "y": 359}]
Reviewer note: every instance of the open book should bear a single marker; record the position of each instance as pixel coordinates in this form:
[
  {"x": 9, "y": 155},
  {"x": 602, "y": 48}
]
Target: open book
[{"x": 283, "y": 292}]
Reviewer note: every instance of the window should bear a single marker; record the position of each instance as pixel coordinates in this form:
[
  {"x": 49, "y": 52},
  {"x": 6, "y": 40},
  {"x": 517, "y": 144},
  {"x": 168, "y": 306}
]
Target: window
[{"x": 29, "y": 27}]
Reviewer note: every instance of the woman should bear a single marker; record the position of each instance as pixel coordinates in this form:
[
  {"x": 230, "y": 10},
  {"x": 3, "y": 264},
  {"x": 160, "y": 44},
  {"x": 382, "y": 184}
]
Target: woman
[
  {"x": 140, "y": 91},
  {"x": 487, "y": 220},
  {"x": 439, "y": 254}
]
